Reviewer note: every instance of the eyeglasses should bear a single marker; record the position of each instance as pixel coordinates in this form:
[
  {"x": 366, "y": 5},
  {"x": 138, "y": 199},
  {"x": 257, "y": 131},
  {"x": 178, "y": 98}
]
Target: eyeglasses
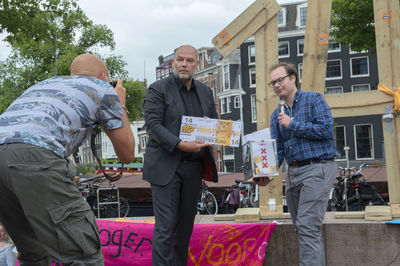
[
  {"x": 279, "y": 81},
  {"x": 2, "y": 231}
]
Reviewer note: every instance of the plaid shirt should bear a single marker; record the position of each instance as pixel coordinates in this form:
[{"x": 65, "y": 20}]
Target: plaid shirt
[{"x": 310, "y": 133}]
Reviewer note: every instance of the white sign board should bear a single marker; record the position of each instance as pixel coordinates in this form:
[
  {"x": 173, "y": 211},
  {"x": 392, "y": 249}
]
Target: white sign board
[{"x": 208, "y": 130}]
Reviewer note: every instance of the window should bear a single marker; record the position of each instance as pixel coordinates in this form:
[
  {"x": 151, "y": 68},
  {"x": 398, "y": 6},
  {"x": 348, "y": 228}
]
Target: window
[
  {"x": 360, "y": 87},
  {"x": 283, "y": 49},
  {"x": 252, "y": 77},
  {"x": 300, "y": 70},
  {"x": 228, "y": 104},
  {"x": 226, "y": 77},
  {"x": 363, "y": 138},
  {"x": 222, "y": 105},
  {"x": 300, "y": 47},
  {"x": 359, "y": 66},
  {"x": 228, "y": 150},
  {"x": 236, "y": 102},
  {"x": 282, "y": 17},
  {"x": 229, "y": 166},
  {"x": 334, "y": 90},
  {"x": 252, "y": 54},
  {"x": 143, "y": 141},
  {"x": 340, "y": 139},
  {"x": 301, "y": 15},
  {"x": 333, "y": 46},
  {"x": 334, "y": 69},
  {"x": 253, "y": 108}
]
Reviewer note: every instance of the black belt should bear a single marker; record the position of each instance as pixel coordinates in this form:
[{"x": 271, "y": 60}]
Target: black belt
[{"x": 308, "y": 162}]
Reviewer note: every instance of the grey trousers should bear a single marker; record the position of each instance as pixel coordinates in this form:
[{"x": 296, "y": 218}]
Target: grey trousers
[
  {"x": 307, "y": 194},
  {"x": 175, "y": 207},
  {"x": 43, "y": 210}
]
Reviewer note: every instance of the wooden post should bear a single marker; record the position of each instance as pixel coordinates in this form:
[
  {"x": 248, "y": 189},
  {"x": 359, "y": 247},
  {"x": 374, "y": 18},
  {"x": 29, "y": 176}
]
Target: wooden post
[
  {"x": 387, "y": 32},
  {"x": 316, "y": 45},
  {"x": 266, "y": 47}
]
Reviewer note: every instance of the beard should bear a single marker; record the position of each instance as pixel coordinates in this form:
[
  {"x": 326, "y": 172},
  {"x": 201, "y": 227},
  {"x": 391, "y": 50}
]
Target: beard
[{"x": 183, "y": 76}]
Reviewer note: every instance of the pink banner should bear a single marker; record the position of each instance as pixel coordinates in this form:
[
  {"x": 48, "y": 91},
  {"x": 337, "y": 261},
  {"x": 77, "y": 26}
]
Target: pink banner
[{"x": 126, "y": 243}]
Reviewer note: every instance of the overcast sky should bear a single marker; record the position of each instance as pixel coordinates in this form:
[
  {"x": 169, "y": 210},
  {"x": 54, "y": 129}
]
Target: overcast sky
[{"x": 146, "y": 29}]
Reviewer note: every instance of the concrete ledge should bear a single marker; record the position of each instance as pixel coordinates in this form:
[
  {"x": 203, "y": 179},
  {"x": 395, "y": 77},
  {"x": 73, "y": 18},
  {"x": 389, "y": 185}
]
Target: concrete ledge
[{"x": 353, "y": 242}]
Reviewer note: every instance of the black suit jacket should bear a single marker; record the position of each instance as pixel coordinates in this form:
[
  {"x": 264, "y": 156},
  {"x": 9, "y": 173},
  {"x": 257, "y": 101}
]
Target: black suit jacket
[{"x": 163, "y": 111}]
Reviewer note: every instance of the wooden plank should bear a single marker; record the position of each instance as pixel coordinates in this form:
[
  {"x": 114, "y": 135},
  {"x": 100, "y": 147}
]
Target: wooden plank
[
  {"x": 224, "y": 217},
  {"x": 266, "y": 48},
  {"x": 245, "y": 25},
  {"x": 349, "y": 215},
  {"x": 244, "y": 215},
  {"x": 316, "y": 45},
  {"x": 378, "y": 213},
  {"x": 284, "y": 215},
  {"x": 358, "y": 103},
  {"x": 387, "y": 32}
]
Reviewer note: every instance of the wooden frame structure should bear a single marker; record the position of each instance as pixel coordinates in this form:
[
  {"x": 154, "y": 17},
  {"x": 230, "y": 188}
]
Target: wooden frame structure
[{"x": 260, "y": 19}]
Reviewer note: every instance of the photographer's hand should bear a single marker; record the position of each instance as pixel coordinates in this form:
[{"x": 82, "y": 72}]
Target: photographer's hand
[{"x": 121, "y": 92}]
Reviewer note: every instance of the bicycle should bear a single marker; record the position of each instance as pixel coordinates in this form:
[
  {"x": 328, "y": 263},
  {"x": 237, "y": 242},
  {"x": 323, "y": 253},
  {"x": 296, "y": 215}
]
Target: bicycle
[
  {"x": 352, "y": 192},
  {"x": 105, "y": 202},
  {"x": 248, "y": 193},
  {"x": 207, "y": 203}
]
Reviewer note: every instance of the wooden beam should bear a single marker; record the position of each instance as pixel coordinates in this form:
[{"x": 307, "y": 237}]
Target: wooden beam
[
  {"x": 245, "y": 25},
  {"x": 266, "y": 48},
  {"x": 316, "y": 45},
  {"x": 387, "y": 32},
  {"x": 358, "y": 103}
]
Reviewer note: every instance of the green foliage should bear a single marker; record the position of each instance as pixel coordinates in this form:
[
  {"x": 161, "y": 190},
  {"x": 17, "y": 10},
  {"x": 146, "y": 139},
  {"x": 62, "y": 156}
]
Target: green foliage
[
  {"x": 86, "y": 169},
  {"x": 135, "y": 93},
  {"x": 45, "y": 36},
  {"x": 353, "y": 24}
]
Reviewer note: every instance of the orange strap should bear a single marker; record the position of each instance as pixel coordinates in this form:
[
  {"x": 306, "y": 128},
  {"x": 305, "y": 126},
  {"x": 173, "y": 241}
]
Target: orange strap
[{"x": 396, "y": 95}]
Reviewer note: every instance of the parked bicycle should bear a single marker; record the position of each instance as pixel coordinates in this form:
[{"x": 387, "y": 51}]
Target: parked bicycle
[
  {"x": 248, "y": 192},
  {"x": 351, "y": 192},
  {"x": 105, "y": 202},
  {"x": 207, "y": 203}
]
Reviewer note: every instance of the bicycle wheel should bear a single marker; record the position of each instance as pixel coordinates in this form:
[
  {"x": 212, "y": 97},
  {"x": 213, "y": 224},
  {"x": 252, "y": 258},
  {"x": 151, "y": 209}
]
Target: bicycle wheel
[
  {"x": 210, "y": 203},
  {"x": 123, "y": 207}
]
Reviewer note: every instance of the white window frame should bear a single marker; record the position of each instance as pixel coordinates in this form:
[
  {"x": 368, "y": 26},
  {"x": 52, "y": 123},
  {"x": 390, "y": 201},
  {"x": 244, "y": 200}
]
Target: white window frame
[
  {"x": 345, "y": 142},
  {"x": 298, "y": 47},
  {"x": 298, "y": 19},
  {"x": 249, "y": 53},
  {"x": 351, "y": 67},
  {"x": 372, "y": 141},
  {"x": 283, "y": 12},
  {"x": 288, "y": 48},
  {"x": 222, "y": 105},
  {"x": 251, "y": 84},
  {"x": 341, "y": 69},
  {"x": 143, "y": 142},
  {"x": 326, "y": 89},
  {"x": 352, "y": 86},
  {"x": 228, "y": 105},
  {"x": 300, "y": 70},
  {"x": 224, "y": 78},
  {"x": 236, "y": 102},
  {"x": 334, "y": 51},
  {"x": 253, "y": 104}
]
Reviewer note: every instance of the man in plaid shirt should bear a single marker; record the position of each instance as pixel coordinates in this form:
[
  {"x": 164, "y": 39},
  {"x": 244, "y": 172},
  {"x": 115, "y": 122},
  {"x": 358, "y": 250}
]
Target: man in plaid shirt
[{"x": 304, "y": 137}]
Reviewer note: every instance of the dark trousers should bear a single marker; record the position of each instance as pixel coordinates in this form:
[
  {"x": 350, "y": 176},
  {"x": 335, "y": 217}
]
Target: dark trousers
[
  {"x": 43, "y": 210},
  {"x": 175, "y": 207}
]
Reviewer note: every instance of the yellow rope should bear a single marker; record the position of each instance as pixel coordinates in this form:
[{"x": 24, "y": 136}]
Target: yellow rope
[{"x": 396, "y": 95}]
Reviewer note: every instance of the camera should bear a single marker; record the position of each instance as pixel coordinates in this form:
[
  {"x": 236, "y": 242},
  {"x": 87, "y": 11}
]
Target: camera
[{"x": 113, "y": 83}]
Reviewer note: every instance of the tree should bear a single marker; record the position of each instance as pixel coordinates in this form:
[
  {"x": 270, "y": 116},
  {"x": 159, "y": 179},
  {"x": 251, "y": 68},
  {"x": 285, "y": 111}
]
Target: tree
[
  {"x": 135, "y": 92},
  {"x": 45, "y": 36},
  {"x": 353, "y": 24}
]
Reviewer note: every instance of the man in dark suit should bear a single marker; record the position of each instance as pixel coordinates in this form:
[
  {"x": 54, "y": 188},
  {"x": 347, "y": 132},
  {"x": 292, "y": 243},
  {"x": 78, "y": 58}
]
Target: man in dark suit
[{"x": 173, "y": 167}]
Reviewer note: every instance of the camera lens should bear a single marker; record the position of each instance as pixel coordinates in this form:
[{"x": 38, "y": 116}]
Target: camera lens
[{"x": 113, "y": 83}]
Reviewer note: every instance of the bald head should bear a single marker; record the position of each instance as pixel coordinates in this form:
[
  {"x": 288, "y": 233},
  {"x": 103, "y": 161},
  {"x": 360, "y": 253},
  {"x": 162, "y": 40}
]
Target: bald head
[{"x": 89, "y": 65}]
